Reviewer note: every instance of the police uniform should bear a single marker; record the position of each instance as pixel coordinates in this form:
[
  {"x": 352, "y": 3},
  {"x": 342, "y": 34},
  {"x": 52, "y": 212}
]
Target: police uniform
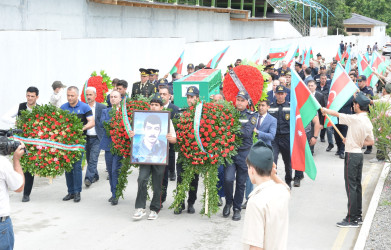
[
  {"x": 271, "y": 67},
  {"x": 146, "y": 89},
  {"x": 154, "y": 72},
  {"x": 239, "y": 167},
  {"x": 301, "y": 72},
  {"x": 281, "y": 141}
]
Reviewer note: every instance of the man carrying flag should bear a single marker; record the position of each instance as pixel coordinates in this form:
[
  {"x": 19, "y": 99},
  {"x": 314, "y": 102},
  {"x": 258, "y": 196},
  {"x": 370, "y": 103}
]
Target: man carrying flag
[{"x": 359, "y": 134}]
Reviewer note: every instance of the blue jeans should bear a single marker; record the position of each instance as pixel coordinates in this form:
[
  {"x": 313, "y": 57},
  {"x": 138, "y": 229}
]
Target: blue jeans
[
  {"x": 113, "y": 164},
  {"x": 92, "y": 151},
  {"x": 6, "y": 235},
  {"x": 249, "y": 187},
  {"x": 75, "y": 177},
  {"x": 220, "y": 183}
]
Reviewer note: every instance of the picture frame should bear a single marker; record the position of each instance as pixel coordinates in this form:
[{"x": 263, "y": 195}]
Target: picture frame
[{"x": 149, "y": 145}]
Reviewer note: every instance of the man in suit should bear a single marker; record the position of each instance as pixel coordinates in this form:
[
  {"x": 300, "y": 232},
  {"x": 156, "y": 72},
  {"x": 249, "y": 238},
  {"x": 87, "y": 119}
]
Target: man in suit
[
  {"x": 143, "y": 87},
  {"x": 169, "y": 172},
  {"x": 307, "y": 75},
  {"x": 266, "y": 131},
  {"x": 271, "y": 95},
  {"x": 320, "y": 98},
  {"x": 94, "y": 135}
]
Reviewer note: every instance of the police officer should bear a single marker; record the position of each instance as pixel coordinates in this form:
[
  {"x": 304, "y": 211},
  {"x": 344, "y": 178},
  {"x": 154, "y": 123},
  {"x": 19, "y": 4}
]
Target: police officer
[
  {"x": 362, "y": 84},
  {"x": 299, "y": 70},
  {"x": 144, "y": 87},
  {"x": 239, "y": 166},
  {"x": 281, "y": 111}
]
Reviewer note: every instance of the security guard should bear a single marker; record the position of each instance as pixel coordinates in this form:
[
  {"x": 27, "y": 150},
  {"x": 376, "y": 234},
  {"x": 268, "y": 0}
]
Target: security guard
[
  {"x": 365, "y": 89},
  {"x": 281, "y": 111},
  {"x": 144, "y": 87},
  {"x": 239, "y": 166}
]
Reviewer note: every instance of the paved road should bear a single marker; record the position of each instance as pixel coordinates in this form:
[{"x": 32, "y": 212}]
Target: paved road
[{"x": 47, "y": 222}]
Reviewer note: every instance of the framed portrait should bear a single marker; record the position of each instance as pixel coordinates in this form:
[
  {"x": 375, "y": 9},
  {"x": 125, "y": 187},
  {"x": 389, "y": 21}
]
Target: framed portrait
[{"x": 149, "y": 144}]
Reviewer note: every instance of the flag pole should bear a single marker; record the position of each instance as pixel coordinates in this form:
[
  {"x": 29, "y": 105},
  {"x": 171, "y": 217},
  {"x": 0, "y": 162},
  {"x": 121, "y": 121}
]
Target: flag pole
[{"x": 335, "y": 127}]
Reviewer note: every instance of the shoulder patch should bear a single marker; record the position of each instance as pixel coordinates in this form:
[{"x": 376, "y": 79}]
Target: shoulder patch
[
  {"x": 253, "y": 120},
  {"x": 287, "y": 116}
]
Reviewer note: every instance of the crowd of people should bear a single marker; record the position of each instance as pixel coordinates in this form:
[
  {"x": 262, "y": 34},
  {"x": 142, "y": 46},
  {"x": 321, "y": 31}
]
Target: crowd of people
[{"x": 253, "y": 164}]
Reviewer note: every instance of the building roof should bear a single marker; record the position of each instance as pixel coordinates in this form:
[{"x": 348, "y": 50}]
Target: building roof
[{"x": 359, "y": 19}]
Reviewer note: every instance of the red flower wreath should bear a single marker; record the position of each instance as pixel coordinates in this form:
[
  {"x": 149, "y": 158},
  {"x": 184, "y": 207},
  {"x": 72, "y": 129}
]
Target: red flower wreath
[{"x": 102, "y": 84}]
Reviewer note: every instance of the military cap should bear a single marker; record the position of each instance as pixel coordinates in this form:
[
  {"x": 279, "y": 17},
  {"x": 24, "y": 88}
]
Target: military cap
[
  {"x": 362, "y": 100},
  {"x": 190, "y": 66},
  {"x": 153, "y": 71},
  {"x": 201, "y": 65},
  {"x": 163, "y": 81},
  {"x": 243, "y": 94},
  {"x": 144, "y": 72},
  {"x": 192, "y": 91},
  {"x": 318, "y": 54},
  {"x": 288, "y": 73},
  {"x": 57, "y": 84},
  {"x": 322, "y": 66},
  {"x": 361, "y": 78},
  {"x": 280, "y": 89},
  {"x": 298, "y": 64},
  {"x": 261, "y": 156},
  {"x": 157, "y": 98},
  {"x": 270, "y": 66}
]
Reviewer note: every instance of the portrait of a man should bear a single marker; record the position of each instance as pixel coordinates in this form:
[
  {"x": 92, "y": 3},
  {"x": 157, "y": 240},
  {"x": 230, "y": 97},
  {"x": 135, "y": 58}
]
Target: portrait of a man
[{"x": 150, "y": 143}]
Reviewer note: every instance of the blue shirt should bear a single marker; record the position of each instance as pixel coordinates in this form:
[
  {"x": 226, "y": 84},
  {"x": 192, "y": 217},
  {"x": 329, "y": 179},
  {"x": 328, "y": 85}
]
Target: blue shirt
[{"x": 81, "y": 109}]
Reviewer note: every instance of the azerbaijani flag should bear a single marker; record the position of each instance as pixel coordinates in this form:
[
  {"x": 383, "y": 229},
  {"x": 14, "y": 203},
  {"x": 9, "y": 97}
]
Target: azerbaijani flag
[
  {"x": 367, "y": 56},
  {"x": 377, "y": 65},
  {"x": 304, "y": 107},
  {"x": 178, "y": 65},
  {"x": 216, "y": 60},
  {"x": 363, "y": 67},
  {"x": 257, "y": 55},
  {"x": 303, "y": 57},
  {"x": 348, "y": 64},
  {"x": 311, "y": 53},
  {"x": 277, "y": 54},
  {"x": 341, "y": 89},
  {"x": 297, "y": 52},
  {"x": 338, "y": 57},
  {"x": 308, "y": 57}
]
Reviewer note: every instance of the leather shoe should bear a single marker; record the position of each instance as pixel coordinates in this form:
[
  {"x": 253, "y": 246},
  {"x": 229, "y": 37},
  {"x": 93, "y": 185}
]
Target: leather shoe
[
  {"x": 26, "y": 198},
  {"x": 114, "y": 202},
  {"x": 236, "y": 215},
  {"x": 190, "y": 209},
  {"x": 296, "y": 182},
  {"x": 68, "y": 197},
  {"x": 322, "y": 140},
  {"x": 111, "y": 198},
  {"x": 172, "y": 176},
  {"x": 77, "y": 197},
  {"x": 244, "y": 205},
  {"x": 330, "y": 147},
  {"x": 220, "y": 202},
  {"x": 368, "y": 151},
  {"x": 87, "y": 182},
  {"x": 179, "y": 211},
  {"x": 95, "y": 179},
  {"x": 337, "y": 153},
  {"x": 227, "y": 210},
  {"x": 341, "y": 156}
]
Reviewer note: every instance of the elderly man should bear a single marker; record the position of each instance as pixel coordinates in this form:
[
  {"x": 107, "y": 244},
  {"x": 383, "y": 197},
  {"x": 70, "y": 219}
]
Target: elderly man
[
  {"x": 84, "y": 113},
  {"x": 94, "y": 135}
]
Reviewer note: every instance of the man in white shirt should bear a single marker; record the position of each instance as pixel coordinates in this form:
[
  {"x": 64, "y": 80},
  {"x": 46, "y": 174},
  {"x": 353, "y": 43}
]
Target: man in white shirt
[{"x": 11, "y": 177}]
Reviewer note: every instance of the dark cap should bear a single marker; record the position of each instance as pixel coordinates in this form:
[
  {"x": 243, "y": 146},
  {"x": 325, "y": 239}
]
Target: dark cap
[
  {"x": 190, "y": 66},
  {"x": 280, "y": 89},
  {"x": 162, "y": 82},
  {"x": 261, "y": 156},
  {"x": 230, "y": 66},
  {"x": 270, "y": 66},
  {"x": 319, "y": 54},
  {"x": 362, "y": 100},
  {"x": 153, "y": 71},
  {"x": 288, "y": 73},
  {"x": 298, "y": 64},
  {"x": 322, "y": 66},
  {"x": 361, "y": 78},
  {"x": 144, "y": 72},
  {"x": 157, "y": 98},
  {"x": 58, "y": 84},
  {"x": 243, "y": 94},
  {"x": 192, "y": 91}
]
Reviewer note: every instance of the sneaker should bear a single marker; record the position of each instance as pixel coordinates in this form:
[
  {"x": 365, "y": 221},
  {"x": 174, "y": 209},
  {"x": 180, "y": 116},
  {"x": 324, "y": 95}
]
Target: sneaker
[
  {"x": 87, "y": 182},
  {"x": 345, "y": 223},
  {"x": 330, "y": 147},
  {"x": 359, "y": 220},
  {"x": 152, "y": 216},
  {"x": 368, "y": 151},
  {"x": 139, "y": 213}
]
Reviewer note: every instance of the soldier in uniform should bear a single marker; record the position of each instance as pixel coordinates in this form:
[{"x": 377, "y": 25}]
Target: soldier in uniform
[
  {"x": 144, "y": 87},
  {"x": 362, "y": 84},
  {"x": 239, "y": 166},
  {"x": 154, "y": 77},
  {"x": 270, "y": 70}
]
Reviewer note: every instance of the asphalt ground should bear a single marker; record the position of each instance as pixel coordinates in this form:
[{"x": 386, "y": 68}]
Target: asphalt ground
[{"x": 47, "y": 222}]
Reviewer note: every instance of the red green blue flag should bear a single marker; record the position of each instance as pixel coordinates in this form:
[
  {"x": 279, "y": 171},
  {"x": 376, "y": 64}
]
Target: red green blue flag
[
  {"x": 308, "y": 57},
  {"x": 377, "y": 65},
  {"x": 297, "y": 52},
  {"x": 215, "y": 60},
  {"x": 311, "y": 53},
  {"x": 304, "y": 107},
  {"x": 178, "y": 65},
  {"x": 367, "y": 56},
  {"x": 363, "y": 67},
  {"x": 277, "y": 54},
  {"x": 257, "y": 55},
  {"x": 342, "y": 89},
  {"x": 338, "y": 57}
]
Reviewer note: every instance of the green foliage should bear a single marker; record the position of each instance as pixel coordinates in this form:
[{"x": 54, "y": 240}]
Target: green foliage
[{"x": 124, "y": 171}]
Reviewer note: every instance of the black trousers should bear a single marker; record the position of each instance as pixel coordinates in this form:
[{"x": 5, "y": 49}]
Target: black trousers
[
  {"x": 340, "y": 145},
  {"x": 28, "y": 185},
  {"x": 193, "y": 185},
  {"x": 169, "y": 168},
  {"x": 353, "y": 174},
  {"x": 281, "y": 144}
]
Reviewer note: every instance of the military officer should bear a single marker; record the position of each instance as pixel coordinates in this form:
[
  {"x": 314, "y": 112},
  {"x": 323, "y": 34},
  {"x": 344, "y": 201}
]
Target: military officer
[
  {"x": 144, "y": 87},
  {"x": 154, "y": 77},
  {"x": 299, "y": 70},
  {"x": 281, "y": 111},
  {"x": 238, "y": 169}
]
